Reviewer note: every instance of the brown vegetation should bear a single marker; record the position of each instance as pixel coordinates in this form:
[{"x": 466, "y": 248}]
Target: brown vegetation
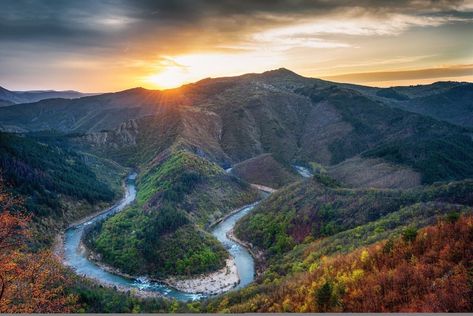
[{"x": 426, "y": 271}]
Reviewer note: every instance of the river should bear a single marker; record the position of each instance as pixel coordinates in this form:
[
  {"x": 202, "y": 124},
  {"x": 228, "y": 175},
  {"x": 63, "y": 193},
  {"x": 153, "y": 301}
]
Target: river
[{"x": 76, "y": 258}]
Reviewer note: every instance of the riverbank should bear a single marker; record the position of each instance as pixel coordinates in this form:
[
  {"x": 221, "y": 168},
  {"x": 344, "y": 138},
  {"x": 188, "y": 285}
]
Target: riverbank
[
  {"x": 239, "y": 269},
  {"x": 256, "y": 254},
  {"x": 213, "y": 283},
  {"x": 58, "y": 244}
]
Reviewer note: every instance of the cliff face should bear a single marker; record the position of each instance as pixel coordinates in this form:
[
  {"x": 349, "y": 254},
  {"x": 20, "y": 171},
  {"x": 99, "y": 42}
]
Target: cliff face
[{"x": 124, "y": 135}]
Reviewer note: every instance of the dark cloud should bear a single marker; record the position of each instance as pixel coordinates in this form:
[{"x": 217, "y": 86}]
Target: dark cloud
[
  {"x": 42, "y": 31},
  {"x": 80, "y": 21}
]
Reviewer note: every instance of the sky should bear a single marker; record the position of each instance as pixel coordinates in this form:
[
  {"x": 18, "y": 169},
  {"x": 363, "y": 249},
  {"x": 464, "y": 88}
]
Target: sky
[{"x": 101, "y": 46}]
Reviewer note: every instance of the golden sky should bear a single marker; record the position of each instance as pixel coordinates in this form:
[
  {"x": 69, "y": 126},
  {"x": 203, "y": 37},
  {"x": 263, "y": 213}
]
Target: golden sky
[{"x": 103, "y": 46}]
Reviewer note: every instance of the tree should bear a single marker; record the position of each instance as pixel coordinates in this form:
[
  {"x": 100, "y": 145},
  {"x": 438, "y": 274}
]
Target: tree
[
  {"x": 409, "y": 234},
  {"x": 324, "y": 297},
  {"x": 29, "y": 282}
]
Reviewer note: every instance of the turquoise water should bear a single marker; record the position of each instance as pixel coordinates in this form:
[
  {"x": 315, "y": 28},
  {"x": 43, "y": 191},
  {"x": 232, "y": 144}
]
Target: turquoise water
[{"x": 75, "y": 257}]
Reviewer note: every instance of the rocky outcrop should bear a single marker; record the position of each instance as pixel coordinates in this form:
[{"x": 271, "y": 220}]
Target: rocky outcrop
[{"x": 124, "y": 135}]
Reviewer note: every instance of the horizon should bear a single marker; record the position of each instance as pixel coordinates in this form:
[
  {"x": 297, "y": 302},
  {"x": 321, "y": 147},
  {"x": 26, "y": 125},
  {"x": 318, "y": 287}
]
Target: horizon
[
  {"x": 97, "y": 47},
  {"x": 233, "y": 76}
]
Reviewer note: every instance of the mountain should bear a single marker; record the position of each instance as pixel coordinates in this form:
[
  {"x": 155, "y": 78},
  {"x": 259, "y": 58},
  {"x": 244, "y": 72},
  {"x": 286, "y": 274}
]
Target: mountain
[
  {"x": 8, "y": 97},
  {"x": 229, "y": 120},
  {"x": 447, "y": 101},
  {"x": 93, "y": 113}
]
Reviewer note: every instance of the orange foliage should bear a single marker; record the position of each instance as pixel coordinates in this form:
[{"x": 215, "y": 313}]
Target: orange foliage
[
  {"x": 432, "y": 272},
  {"x": 29, "y": 282}
]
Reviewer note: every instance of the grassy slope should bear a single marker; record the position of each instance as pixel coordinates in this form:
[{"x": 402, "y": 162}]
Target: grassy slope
[
  {"x": 264, "y": 170},
  {"x": 163, "y": 233}
]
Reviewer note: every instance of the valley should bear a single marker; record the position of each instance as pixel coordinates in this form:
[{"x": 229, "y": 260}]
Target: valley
[
  {"x": 238, "y": 273},
  {"x": 267, "y": 192}
]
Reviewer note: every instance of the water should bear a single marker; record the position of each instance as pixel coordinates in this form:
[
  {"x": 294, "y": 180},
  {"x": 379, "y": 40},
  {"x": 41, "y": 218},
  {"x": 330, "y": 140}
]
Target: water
[
  {"x": 303, "y": 171},
  {"x": 244, "y": 261},
  {"x": 75, "y": 257}
]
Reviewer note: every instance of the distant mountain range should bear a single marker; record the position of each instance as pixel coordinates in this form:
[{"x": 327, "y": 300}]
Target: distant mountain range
[
  {"x": 8, "y": 97},
  {"x": 231, "y": 119}
]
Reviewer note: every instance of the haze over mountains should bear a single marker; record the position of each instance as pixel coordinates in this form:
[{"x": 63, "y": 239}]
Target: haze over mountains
[{"x": 8, "y": 97}]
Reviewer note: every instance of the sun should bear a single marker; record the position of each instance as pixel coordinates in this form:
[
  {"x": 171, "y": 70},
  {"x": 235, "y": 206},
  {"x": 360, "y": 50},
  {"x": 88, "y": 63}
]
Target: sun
[{"x": 171, "y": 77}]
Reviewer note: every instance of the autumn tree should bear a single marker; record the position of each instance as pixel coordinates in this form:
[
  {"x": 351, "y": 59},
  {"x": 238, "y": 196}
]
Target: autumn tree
[{"x": 29, "y": 282}]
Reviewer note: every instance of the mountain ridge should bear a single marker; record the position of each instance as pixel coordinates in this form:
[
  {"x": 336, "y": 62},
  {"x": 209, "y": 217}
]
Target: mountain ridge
[{"x": 10, "y": 97}]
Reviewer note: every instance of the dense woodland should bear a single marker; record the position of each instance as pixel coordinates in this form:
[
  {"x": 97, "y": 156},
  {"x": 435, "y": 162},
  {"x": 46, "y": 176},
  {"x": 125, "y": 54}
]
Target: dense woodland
[
  {"x": 319, "y": 208},
  {"x": 159, "y": 236},
  {"x": 58, "y": 185}
]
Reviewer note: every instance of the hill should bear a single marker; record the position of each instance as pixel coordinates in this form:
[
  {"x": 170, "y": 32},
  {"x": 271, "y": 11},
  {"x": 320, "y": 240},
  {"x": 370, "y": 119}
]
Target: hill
[
  {"x": 264, "y": 170},
  {"x": 320, "y": 208},
  {"x": 8, "y": 97},
  {"x": 229, "y": 120},
  {"x": 422, "y": 271},
  {"x": 447, "y": 101},
  {"x": 164, "y": 234},
  {"x": 58, "y": 185},
  {"x": 93, "y": 113}
]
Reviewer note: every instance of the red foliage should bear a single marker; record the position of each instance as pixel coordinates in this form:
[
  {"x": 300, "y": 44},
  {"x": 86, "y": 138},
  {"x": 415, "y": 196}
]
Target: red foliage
[
  {"x": 29, "y": 282},
  {"x": 429, "y": 272}
]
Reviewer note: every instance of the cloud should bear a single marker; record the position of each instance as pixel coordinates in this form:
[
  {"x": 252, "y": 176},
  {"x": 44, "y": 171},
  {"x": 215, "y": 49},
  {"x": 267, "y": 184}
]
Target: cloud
[
  {"x": 428, "y": 73},
  {"x": 106, "y": 23},
  {"x": 138, "y": 34}
]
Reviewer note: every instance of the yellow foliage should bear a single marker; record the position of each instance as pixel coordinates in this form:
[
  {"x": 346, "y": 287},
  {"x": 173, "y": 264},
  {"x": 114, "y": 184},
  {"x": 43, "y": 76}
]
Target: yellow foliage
[
  {"x": 364, "y": 256},
  {"x": 314, "y": 266},
  {"x": 357, "y": 274}
]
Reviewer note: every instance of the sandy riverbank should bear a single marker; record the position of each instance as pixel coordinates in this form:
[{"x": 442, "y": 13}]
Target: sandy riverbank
[{"x": 209, "y": 284}]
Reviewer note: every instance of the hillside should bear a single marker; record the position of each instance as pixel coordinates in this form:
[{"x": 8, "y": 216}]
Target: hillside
[
  {"x": 420, "y": 271},
  {"x": 264, "y": 170},
  {"x": 229, "y": 120},
  {"x": 447, "y": 101},
  {"x": 57, "y": 184},
  {"x": 320, "y": 208},
  {"x": 179, "y": 196},
  {"x": 312, "y": 234},
  {"x": 93, "y": 113},
  {"x": 360, "y": 172}
]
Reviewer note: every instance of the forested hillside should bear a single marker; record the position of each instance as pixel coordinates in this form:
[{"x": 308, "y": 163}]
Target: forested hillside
[
  {"x": 58, "y": 185},
  {"x": 319, "y": 207},
  {"x": 426, "y": 270},
  {"x": 163, "y": 234}
]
